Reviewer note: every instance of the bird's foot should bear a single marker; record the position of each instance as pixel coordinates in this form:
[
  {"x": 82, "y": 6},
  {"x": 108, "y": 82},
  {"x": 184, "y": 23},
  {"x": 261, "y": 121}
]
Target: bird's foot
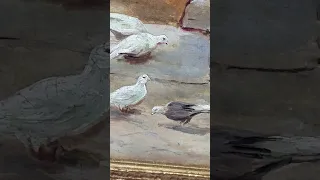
[
  {"x": 131, "y": 111},
  {"x": 124, "y": 110},
  {"x": 50, "y": 152},
  {"x": 128, "y": 110},
  {"x": 138, "y": 59},
  {"x": 185, "y": 122},
  {"x": 53, "y": 152}
]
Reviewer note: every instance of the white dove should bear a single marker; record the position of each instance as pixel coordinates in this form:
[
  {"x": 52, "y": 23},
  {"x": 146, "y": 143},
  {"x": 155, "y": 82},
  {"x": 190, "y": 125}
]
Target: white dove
[
  {"x": 52, "y": 108},
  {"x": 137, "y": 45},
  {"x": 122, "y": 25},
  {"x": 128, "y": 96}
]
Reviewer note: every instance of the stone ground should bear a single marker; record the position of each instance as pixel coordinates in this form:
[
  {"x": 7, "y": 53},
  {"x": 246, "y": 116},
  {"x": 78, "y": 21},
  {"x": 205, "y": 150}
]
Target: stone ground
[
  {"x": 179, "y": 72},
  {"x": 255, "y": 99}
]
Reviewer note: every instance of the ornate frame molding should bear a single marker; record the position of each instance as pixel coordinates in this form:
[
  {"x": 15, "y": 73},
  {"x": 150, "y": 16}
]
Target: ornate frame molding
[{"x": 138, "y": 170}]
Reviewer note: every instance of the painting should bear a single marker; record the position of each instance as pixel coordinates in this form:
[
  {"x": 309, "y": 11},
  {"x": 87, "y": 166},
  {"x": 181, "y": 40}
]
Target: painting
[
  {"x": 160, "y": 89},
  {"x": 265, "y": 69},
  {"x": 54, "y": 76}
]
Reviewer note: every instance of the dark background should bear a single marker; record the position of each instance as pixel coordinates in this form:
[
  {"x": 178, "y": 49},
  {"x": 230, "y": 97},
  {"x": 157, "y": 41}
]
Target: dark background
[
  {"x": 41, "y": 39},
  {"x": 264, "y": 65},
  {"x": 264, "y": 75}
]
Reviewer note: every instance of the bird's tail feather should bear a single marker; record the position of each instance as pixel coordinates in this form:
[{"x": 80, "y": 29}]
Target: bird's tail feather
[
  {"x": 114, "y": 55},
  {"x": 118, "y": 35},
  {"x": 202, "y": 108}
]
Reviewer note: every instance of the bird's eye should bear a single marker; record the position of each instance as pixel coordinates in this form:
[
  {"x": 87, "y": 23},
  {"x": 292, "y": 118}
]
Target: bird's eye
[
  {"x": 143, "y": 77},
  {"x": 163, "y": 38}
]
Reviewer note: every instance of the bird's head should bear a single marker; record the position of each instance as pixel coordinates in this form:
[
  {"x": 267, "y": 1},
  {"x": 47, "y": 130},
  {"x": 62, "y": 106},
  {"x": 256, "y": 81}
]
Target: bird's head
[
  {"x": 157, "y": 110},
  {"x": 99, "y": 58},
  {"x": 143, "y": 79},
  {"x": 162, "y": 39}
]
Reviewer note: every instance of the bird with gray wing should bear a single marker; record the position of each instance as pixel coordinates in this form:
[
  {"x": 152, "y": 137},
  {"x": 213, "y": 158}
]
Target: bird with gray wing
[
  {"x": 127, "y": 97},
  {"x": 52, "y": 108},
  {"x": 254, "y": 155},
  {"x": 122, "y": 25},
  {"x": 137, "y": 45},
  {"x": 180, "y": 111}
]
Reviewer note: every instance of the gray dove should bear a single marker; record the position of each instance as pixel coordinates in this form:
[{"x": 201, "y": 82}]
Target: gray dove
[
  {"x": 180, "y": 111},
  {"x": 254, "y": 154},
  {"x": 127, "y": 97},
  {"x": 122, "y": 25},
  {"x": 56, "y": 107},
  {"x": 137, "y": 45}
]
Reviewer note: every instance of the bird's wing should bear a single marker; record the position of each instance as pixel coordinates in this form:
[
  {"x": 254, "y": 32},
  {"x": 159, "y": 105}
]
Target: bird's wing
[
  {"x": 179, "y": 105},
  {"x": 42, "y": 101},
  {"x": 126, "y": 25},
  {"x": 177, "y": 115},
  {"x": 124, "y": 95},
  {"x": 132, "y": 45}
]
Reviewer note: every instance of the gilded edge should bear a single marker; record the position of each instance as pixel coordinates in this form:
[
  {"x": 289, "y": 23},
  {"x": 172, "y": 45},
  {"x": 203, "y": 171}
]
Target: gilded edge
[{"x": 135, "y": 170}]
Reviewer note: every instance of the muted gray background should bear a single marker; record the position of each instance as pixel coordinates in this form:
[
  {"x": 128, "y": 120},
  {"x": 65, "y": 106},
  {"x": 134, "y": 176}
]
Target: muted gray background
[
  {"x": 56, "y": 38},
  {"x": 264, "y": 70}
]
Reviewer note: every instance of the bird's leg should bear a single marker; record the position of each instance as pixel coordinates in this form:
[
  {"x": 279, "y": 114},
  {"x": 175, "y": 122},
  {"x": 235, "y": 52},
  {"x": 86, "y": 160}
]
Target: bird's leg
[
  {"x": 48, "y": 152},
  {"x": 186, "y": 121},
  {"x": 122, "y": 109},
  {"x": 130, "y": 110},
  {"x": 125, "y": 109},
  {"x": 133, "y": 56},
  {"x": 53, "y": 150},
  {"x": 145, "y": 56},
  {"x": 148, "y": 54}
]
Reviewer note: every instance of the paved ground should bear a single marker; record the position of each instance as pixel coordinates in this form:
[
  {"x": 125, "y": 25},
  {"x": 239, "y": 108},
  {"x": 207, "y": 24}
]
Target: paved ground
[
  {"x": 180, "y": 73},
  {"x": 269, "y": 102},
  {"x": 144, "y": 136}
]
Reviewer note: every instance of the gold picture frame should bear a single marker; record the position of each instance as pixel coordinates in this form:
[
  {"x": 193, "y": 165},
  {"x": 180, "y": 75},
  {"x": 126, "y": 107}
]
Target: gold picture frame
[{"x": 139, "y": 170}]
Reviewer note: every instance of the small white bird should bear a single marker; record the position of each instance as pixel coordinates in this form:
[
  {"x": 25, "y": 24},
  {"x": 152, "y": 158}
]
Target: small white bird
[
  {"x": 127, "y": 97},
  {"x": 137, "y": 45},
  {"x": 122, "y": 25}
]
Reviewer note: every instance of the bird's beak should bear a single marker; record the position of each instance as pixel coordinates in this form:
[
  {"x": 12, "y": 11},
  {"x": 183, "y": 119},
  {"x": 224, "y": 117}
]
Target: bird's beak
[
  {"x": 152, "y": 113},
  {"x": 149, "y": 79}
]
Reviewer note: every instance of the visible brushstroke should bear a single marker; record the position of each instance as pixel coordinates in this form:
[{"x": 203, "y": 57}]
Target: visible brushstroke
[{"x": 261, "y": 69}]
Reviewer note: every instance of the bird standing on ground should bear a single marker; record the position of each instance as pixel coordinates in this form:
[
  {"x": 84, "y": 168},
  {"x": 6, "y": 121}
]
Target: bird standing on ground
[
  {"x": 52, "y": 108},
  {"x": 122, "y": 25},
  {"x": 264, "y": 152},
  {"x": 127, "y": 97},
  {"x": 137, "y": 45},
  {"x": 180, "y": 111}
]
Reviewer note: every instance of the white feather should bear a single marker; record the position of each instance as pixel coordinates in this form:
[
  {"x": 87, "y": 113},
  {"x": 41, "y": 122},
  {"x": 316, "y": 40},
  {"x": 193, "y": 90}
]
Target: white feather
[
  {"x": 124, "y": 25},
  {"x": 137, "y": 45},
  {"x": 129, "y": 95}
]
